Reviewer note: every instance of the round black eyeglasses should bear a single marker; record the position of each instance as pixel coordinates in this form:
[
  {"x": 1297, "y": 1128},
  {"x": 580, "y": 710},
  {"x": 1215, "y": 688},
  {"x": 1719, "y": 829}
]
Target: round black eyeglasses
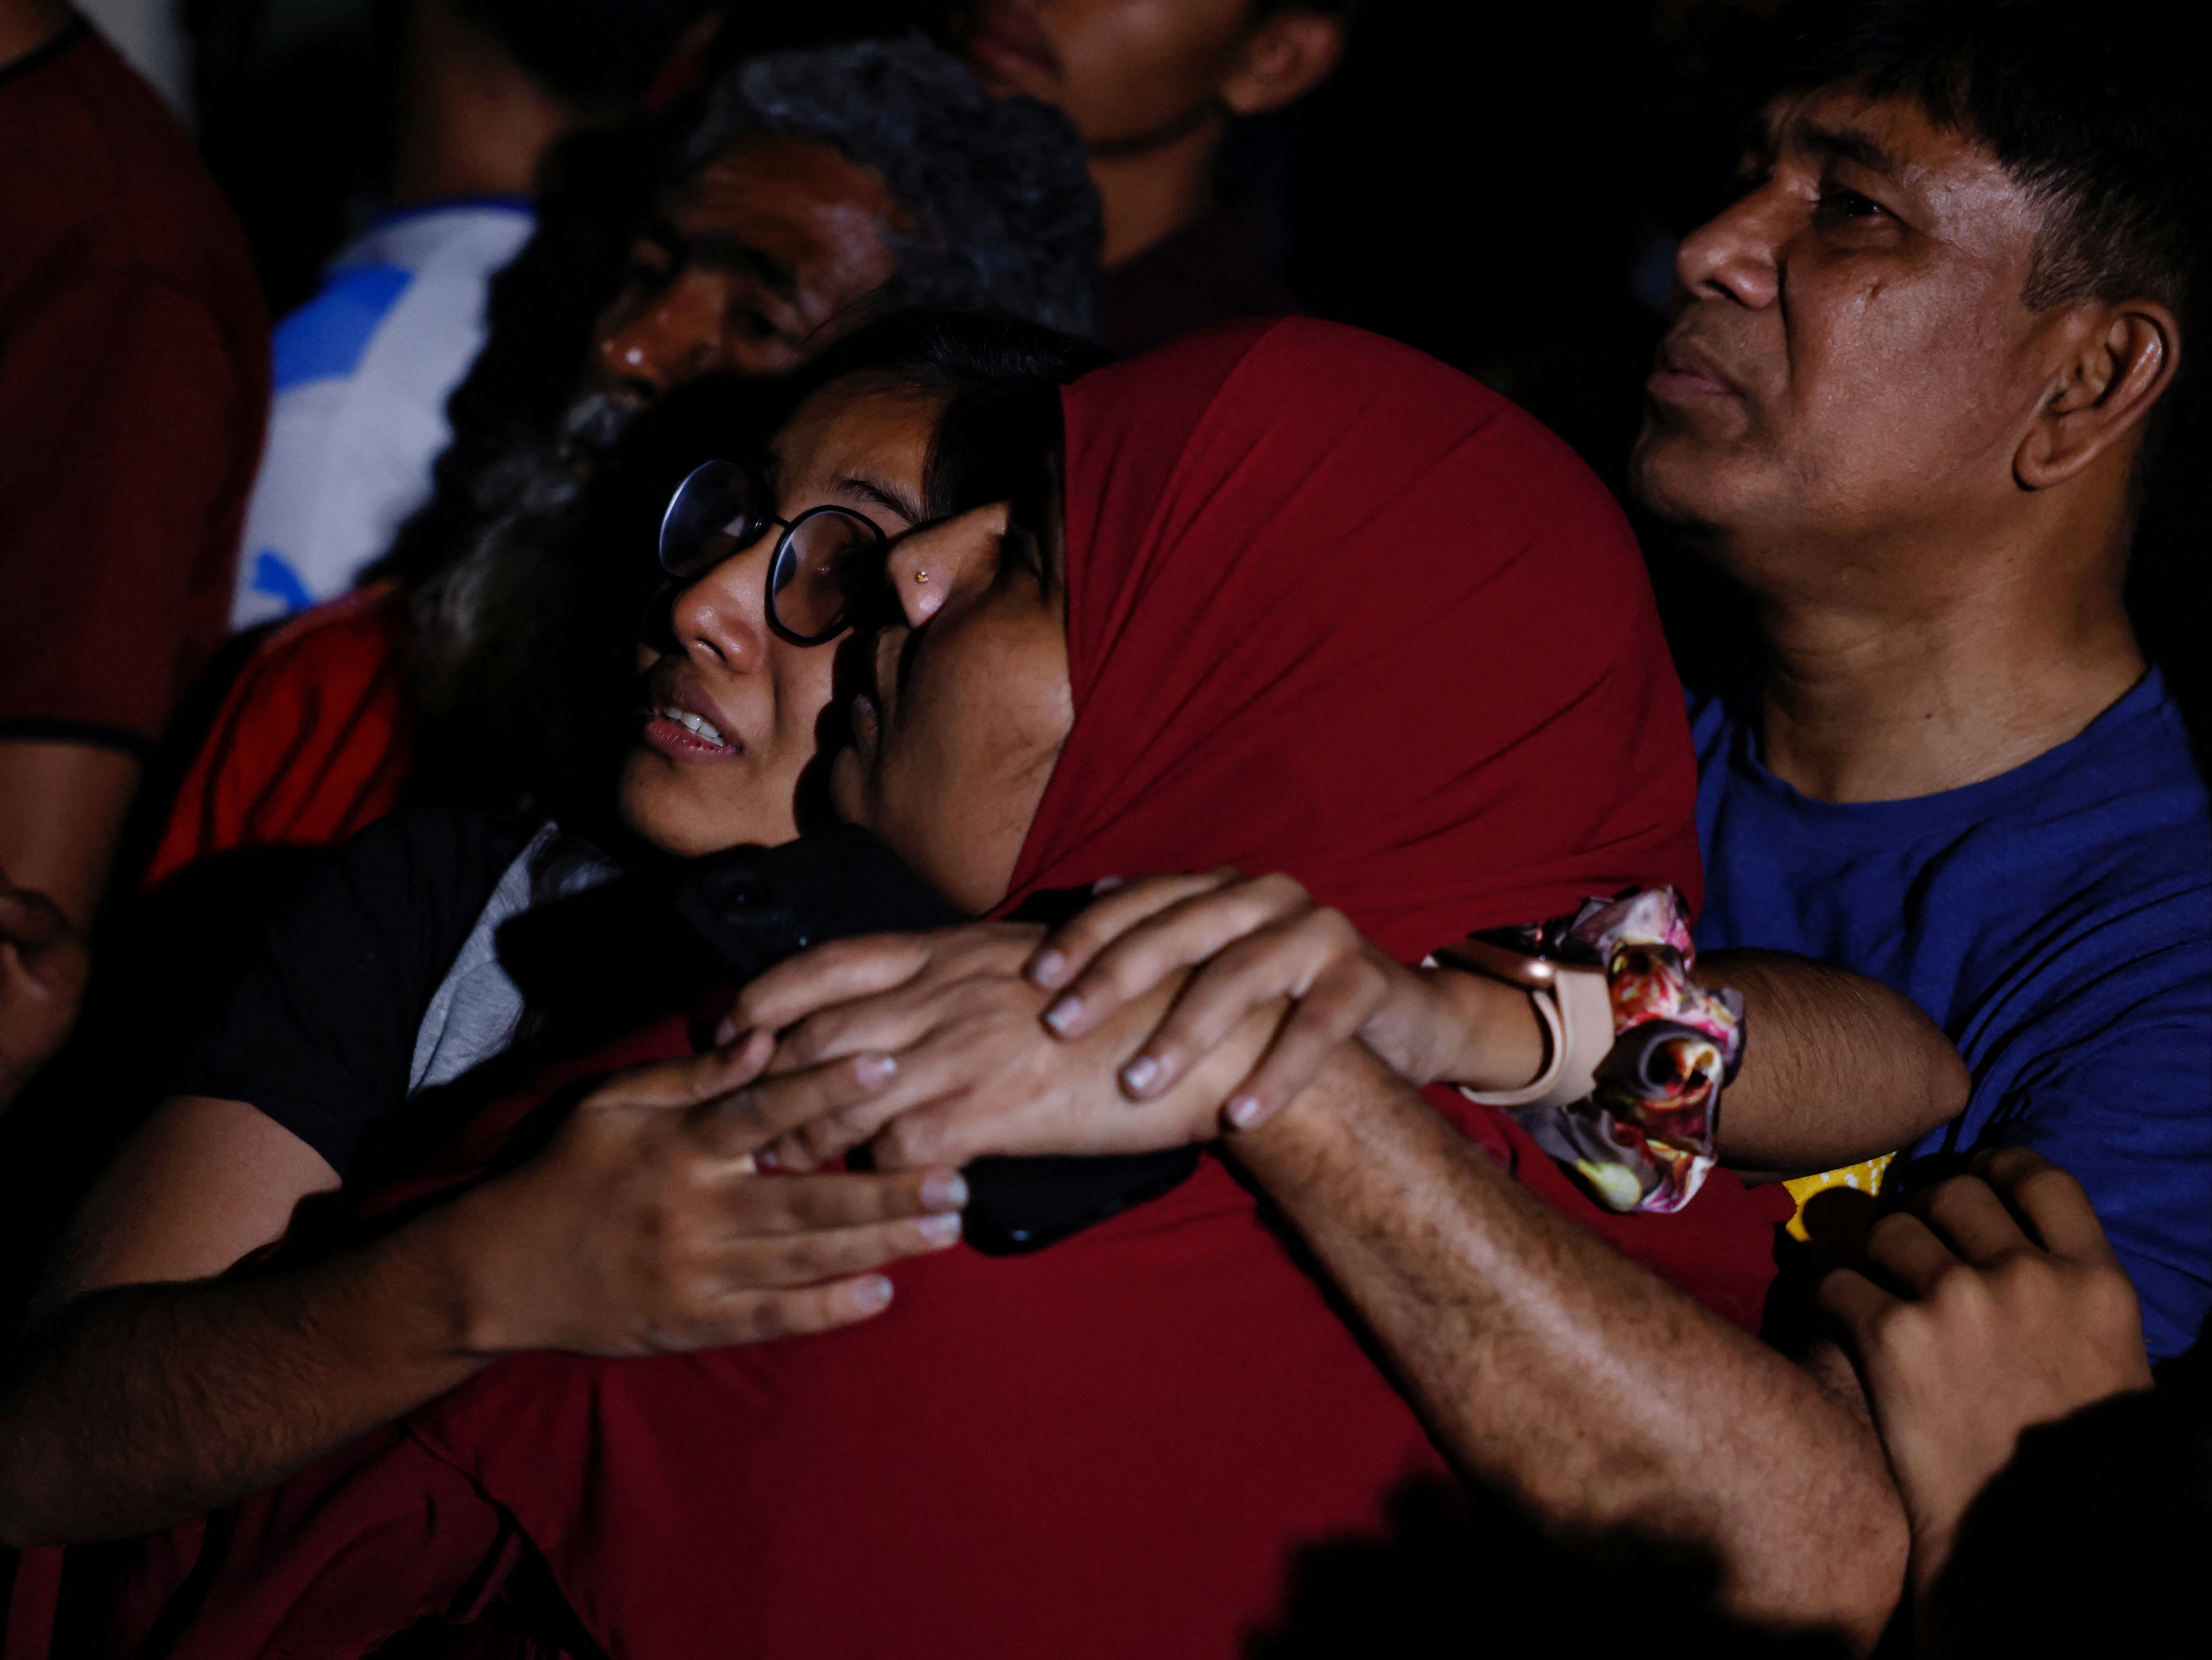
[{"x": 827, "y": 563}]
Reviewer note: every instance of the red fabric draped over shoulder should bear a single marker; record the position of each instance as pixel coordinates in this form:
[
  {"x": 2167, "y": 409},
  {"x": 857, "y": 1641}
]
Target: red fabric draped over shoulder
[{"x": 1334, "y": 610}]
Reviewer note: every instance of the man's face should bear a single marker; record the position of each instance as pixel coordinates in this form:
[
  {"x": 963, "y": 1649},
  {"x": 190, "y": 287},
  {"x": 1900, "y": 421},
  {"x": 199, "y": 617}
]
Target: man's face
[
  {"x": 752, "y": 269},
  {"x": 1120, "y": 70},
  {"x": 1852, "y": 353}
]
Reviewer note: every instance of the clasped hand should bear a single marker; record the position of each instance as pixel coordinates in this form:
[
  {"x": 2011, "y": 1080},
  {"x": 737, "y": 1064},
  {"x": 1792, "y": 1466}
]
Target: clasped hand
[
  {"x": 643, "y": 1227},
  {"x": 1170, "y": 1010}
]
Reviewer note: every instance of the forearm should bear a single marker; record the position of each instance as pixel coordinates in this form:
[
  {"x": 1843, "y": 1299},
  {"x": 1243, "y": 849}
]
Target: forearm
[
  {"x": 1557, "y": 1370},
  {"x": 1836, "y": 1067},
  {"x": 138, "y": 1406}
]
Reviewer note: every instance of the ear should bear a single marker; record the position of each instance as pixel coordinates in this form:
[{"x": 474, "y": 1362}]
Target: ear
[
  {"x": 1285, "y": 58},
  {"x": 2119, "y": 359}
]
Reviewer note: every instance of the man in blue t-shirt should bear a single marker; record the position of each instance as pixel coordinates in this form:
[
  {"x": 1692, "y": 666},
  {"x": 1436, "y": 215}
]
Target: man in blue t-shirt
[{"x": 1909, "y": 401}]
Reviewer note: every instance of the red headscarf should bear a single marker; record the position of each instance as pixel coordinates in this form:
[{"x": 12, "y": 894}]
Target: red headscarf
[
  {"x": 1333, "y": 608},
  {"x": 1338, "y": 610}
]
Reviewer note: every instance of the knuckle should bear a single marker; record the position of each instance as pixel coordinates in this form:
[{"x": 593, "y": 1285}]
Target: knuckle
[
  {"x": 2038, "y": 1178},
  {"x": 1949, "y": 1194},
  {"x": 765, "y": 1318},
  {"x": 1896, "y": 1325},
  {"x": 811, "y": 1039},
  {"x": 743, "y": 1111},
  {"x": 1961, "y": 1291},
  {"x": 809, "y": 1257},
  {"x": 1891, "y": 1231},
  {"x": 914, "y": 1140},
  {"x": 2111, "y": 1301}
]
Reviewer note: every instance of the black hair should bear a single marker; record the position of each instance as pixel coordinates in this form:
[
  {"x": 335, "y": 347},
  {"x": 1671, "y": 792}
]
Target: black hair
[
  {"x": 595, "y": 54},
  {"x": 1004, "y": 215},
  {"x": 2103, "y": 127},
  {"x": 999, "y": 379}
]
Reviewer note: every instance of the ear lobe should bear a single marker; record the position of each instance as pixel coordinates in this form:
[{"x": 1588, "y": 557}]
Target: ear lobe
[
  {"x": 2118, "y": 370},
  {"x": 1286, "y": 57}
]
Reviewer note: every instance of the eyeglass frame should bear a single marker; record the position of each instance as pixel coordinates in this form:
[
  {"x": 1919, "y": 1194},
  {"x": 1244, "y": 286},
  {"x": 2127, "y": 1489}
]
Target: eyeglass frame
[{"x": 776, "y": 557}]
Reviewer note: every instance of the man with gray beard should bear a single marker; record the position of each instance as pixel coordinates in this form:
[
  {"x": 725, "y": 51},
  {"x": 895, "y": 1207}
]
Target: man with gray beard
[{"x": 812, "y": 190}]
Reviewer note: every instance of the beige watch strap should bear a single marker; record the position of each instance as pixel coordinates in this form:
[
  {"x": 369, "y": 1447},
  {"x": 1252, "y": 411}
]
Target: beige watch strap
[{"x": 1577, "y": 1016}]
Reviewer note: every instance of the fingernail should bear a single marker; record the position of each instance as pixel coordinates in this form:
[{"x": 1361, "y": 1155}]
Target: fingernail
[
  {"x": 1062, "y": 1015},
  {"x": 944, "y": 1192},
  {"x": 940, "y": 1229},
  {"x": 873, "y": 1069},
  {"x": 1047, "y": 967},
  {"x": 873, "y": 1292},
  {"x": 1137, "y": 1077},
  {"x": 1107, "y": 884},
  {"x": 726, "y": 1032},
  {"x": 1242, "y": 1110}
]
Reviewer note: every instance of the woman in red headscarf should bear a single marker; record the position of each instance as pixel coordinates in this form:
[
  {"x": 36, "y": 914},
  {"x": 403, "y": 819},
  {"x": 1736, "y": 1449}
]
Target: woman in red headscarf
[{"x": 1319, "y": 604}]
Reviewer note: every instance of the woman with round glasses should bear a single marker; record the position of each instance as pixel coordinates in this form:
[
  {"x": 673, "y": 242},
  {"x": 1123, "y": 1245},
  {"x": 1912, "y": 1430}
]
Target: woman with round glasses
[{"x": 385, "y": 987}]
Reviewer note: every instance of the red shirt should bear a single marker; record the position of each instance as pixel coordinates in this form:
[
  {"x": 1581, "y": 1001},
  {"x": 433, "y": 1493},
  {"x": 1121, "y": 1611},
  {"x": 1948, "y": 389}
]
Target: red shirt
[
  {"x": 310, "y": 745},
  {"x": 134, "y": 379}
]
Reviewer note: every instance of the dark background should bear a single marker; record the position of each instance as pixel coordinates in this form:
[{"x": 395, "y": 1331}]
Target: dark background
[{"x": 1499, "y": 185}]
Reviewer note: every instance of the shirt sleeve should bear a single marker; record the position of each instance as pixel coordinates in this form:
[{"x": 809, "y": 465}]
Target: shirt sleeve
[
  {"x": 2119, "y": 1101},
  {"x": 321, "y": 1032},
  {"x": 122, "y": 418}
]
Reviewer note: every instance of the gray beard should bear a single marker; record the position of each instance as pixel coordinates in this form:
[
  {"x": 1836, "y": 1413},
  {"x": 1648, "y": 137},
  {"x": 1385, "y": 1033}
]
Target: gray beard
[{"x": 500, "y": 592}]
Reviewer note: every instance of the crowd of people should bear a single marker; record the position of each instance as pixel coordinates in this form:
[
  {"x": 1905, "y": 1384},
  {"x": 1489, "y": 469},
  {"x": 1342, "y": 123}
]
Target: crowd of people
[{"x": 800, "y": 887}]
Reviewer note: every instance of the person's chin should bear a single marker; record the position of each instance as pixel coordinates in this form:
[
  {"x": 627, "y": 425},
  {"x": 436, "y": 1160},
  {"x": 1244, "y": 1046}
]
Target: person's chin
[
  {"x": 691, "y": 811},
  {"x": 1675, "y": 476}
]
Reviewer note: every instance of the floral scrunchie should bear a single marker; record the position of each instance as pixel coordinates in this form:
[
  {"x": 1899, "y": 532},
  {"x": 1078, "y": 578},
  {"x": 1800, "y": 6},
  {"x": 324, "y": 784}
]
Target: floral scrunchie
[{"x": 1643, "y": 1139}]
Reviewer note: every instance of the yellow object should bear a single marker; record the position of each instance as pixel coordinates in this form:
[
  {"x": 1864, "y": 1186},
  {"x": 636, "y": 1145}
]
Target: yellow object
[{"x": 1865, "y": 1176}]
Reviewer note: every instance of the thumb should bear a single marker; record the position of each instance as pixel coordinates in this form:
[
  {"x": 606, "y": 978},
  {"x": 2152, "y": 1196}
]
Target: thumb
[{"x": 690, "y": 1081}]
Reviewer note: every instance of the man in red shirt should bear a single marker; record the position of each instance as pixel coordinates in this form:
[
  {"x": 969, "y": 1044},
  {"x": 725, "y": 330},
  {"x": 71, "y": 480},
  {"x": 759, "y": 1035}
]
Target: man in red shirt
[{"x": 134, "y": 378}]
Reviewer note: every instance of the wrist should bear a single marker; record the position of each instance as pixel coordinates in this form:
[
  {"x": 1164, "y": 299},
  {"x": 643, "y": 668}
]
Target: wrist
[
  {"x": 1497, "y": 1041},
  {"x": 458, "y": 1258},
  {"x": 1291, "y": 1150}
]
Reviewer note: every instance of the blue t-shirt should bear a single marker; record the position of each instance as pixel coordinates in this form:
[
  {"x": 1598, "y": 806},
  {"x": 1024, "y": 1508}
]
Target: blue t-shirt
[{"x": 2056, "y": 921}]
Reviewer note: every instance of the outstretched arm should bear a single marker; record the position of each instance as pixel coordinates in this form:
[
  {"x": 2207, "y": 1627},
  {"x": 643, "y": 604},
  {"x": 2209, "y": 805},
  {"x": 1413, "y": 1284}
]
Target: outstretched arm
[
  {"x": 1554, "y": 1367},
  {"x": 1836, "y": 1067},
  {"x": 155, "y": 1393}
]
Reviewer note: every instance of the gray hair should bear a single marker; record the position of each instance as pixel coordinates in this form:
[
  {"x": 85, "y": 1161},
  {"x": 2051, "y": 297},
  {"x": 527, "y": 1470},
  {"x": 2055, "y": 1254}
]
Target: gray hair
[{"x": 1005, "y": 217}]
